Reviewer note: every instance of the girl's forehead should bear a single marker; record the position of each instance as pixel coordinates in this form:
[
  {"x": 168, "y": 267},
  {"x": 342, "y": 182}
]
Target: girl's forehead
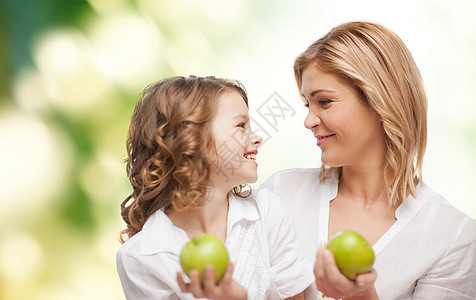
[{"x": 232, "y": 102}]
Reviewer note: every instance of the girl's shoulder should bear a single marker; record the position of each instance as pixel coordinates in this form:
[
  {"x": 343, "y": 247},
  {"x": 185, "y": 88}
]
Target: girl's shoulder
[{"x": 264, "y": 202}]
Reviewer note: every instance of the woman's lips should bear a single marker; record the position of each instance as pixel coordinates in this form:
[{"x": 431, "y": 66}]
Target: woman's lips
[{"x": 321, "y": 139}]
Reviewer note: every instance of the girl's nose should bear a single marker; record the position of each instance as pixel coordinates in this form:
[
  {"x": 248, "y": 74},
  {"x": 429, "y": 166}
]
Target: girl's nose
[{"x": 255, "y": 138}]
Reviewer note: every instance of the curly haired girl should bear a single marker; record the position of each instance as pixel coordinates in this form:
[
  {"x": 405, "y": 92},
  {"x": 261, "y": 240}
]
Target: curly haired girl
[{"x": 190, "y": 153}]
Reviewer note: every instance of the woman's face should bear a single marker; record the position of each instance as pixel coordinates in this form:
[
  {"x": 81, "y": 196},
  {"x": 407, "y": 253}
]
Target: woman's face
[
  {"x": 348, "y": 132},
  {"x": 236, "y": 145}
]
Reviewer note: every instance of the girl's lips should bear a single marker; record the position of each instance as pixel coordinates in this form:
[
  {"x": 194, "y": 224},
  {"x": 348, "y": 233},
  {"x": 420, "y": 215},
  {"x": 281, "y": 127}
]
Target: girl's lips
[
  {"x": 321, "y": 139},
  {"x": 251, "y": 156}
]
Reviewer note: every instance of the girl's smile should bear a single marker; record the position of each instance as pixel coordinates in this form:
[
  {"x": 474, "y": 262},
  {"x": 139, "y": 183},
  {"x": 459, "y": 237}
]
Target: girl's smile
[{"x": 236, "y": 145}]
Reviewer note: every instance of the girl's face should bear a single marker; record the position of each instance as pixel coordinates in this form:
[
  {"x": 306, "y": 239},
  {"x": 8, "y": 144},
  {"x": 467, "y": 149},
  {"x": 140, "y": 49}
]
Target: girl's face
[
  {"x": 347, "y": 130},
  {"x": 234, "y": 161}
]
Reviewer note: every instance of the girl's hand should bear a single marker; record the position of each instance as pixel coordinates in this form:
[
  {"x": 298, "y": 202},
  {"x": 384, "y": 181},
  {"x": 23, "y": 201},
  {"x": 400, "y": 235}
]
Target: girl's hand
[
  {"x": 332, "y": 283},
  {"x": 226, "y": 288}
]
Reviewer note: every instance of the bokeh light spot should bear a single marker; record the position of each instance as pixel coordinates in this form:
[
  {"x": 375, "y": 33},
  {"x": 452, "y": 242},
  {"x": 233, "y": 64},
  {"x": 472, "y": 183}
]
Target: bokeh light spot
[
  {"x": 21, "y": 256},
  {"x": 33, "y": 164}
]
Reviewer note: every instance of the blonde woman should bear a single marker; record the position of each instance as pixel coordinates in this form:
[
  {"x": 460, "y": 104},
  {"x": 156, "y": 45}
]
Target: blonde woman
[{"x": 368, "y": 112}]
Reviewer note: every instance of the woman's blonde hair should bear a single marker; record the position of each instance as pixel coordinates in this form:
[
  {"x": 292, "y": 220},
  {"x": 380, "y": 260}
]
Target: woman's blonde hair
[
  {"x": 168, "y": 146},
  {"x": 378, "y": 65}
]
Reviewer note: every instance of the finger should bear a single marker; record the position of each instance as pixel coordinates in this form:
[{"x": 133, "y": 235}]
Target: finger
[
  {"x": 209, "y": 282},
  {"x": 227, "y": 276},
  {"x": 365, "y": 280},
  {"x": 183, "y": 286},
  {"x": 196, "y": 284},
  {"x": 337, "y": 282},
  {"x": 318, "y": 262},
  {"x": 319, "y": 272}
]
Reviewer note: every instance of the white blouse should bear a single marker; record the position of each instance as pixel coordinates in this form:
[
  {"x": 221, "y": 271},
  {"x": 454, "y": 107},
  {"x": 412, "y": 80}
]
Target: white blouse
[
  {"x": 261, "y": 243},
  {"x": 428, "y": 253}
]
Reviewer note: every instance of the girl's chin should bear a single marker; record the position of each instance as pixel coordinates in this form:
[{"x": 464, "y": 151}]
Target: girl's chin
[{"x": 251, "y": 179}]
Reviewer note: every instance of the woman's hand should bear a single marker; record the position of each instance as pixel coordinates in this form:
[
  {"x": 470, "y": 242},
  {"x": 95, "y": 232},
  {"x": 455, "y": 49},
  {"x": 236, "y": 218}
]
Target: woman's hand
[
  {"x": 226, "y": 288},
  {"x": 332, "y": 283}
]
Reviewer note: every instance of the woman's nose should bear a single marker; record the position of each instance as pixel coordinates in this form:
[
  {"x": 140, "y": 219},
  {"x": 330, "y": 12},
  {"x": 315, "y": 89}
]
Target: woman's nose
[{"x": 312, "y": 120}]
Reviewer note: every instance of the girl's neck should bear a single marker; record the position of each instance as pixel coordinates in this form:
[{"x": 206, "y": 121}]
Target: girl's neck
[{"x": 209, "y": 218}]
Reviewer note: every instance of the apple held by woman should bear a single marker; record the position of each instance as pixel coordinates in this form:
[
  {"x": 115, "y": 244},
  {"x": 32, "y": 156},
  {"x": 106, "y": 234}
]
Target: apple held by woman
[{"x": 352, "y": 252}]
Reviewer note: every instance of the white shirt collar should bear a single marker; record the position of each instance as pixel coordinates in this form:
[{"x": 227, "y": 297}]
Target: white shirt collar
[
  {"x": 159, "y": 234},
  {"x": 404, "y": 213},
  {"x": 407, "y": 209},
  {"x": 410, "y": 208},
  {"x": 330, "y": 188},
  {"x": 242, "y": 208}
]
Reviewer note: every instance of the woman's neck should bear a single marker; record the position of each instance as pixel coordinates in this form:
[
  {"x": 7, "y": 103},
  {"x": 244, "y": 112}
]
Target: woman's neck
[
  {"x": 361, "y": 204},
  {"x": 365, "y": 185}
]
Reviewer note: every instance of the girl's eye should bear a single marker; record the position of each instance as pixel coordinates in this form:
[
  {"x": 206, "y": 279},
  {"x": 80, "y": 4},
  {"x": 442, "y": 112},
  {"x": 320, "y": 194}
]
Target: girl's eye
[
  {"x": 306, "y": 104},
  {"x": 242, "y": 125}
]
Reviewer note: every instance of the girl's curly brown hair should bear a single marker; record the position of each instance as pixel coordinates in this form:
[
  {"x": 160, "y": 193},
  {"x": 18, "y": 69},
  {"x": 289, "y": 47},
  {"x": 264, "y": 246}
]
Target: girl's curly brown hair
[{"x": 168, "y": 143}]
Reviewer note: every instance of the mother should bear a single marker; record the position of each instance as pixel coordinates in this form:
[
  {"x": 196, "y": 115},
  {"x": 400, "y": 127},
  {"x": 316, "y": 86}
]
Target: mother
[{"x": 368, "y": 112}]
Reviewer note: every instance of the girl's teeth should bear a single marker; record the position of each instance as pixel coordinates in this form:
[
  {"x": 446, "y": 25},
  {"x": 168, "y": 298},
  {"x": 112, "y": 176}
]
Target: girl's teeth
[{"x": 250, "y": 156}]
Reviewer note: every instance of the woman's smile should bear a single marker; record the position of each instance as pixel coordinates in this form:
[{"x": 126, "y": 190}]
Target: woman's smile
[
  {"x": 348, "y": 132},
  {"x": 321, "y": 139}
]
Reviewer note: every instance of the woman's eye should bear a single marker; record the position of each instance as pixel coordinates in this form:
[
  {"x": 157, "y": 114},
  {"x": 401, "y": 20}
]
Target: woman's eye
[
  {"x": 242, "y": 125},
  {"x": 324, "y": 102}
]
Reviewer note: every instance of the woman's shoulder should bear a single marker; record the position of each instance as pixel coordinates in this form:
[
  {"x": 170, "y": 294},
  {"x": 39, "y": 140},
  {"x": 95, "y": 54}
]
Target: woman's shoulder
[
  {"x": 442, "y": 212},
  {"x": 296, "y": 172},
  {"x": 302, "y": 183},
  {"x": 291, "y": 177},
  {"x": 440, "y": 203}
]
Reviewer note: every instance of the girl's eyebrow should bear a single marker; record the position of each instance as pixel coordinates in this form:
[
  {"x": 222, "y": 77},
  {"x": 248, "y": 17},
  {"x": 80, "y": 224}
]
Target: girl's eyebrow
[{"x": 241, "y": 116}]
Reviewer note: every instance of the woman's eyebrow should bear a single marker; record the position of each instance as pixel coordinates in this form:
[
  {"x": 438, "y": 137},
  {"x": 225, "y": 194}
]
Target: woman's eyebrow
[{"x": 315, "y": 92}]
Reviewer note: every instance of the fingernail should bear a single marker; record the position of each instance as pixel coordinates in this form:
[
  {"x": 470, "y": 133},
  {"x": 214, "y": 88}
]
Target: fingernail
[{"x": 361, "y": 283}]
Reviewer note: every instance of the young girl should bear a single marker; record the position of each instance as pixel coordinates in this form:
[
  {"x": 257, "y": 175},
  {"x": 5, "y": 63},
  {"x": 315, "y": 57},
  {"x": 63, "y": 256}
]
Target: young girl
[{"x": 190, "y": 151}]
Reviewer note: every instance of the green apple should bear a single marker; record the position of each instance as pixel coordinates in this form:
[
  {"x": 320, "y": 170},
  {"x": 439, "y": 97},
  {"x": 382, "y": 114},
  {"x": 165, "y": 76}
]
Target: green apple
[
  {"x": 202, "y": 250},
  {"x": 353, "y": 254}
]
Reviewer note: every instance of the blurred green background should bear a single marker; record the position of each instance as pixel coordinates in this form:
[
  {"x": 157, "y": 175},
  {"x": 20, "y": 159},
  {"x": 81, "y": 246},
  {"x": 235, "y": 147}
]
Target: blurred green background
[{"x": 71, "y": 73}]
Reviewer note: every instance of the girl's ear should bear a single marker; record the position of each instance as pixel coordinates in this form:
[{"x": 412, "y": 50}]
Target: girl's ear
[
  {"x": 208, "y": 149},
  {"x": 211, "y": 154}
]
